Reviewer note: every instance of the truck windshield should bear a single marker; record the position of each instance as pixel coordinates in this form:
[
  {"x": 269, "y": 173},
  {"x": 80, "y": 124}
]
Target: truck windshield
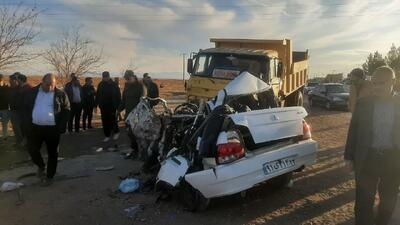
[{"x": 228, "y": 66}]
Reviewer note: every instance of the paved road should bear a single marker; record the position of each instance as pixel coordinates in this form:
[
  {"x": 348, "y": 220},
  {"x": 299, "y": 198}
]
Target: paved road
[{"x": 322, "y": 194}]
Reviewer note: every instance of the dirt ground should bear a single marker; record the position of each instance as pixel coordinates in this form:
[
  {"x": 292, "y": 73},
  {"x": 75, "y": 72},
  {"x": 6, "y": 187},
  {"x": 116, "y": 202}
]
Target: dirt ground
[{"x": 322, "y": 193}]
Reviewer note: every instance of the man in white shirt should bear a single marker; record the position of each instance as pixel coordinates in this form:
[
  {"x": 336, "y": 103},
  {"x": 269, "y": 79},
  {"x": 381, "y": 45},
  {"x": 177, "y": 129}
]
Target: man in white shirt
[{"x": 47, "y": 109}]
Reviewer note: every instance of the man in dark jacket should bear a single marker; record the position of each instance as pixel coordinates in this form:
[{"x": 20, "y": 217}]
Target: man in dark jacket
[
  {"x": 131, "y": 95},
  {"x": 22, "y": 93},
  {"x": 74, "y": 92},
  {"x": 373, "y": 150},
  {"x": 4, "y": 106},
  {"x": 152, "y": 89},
  {"x": 88, "y": 102},
  {"x": 47, "y": 109},
  {"x": 108, "y": 98},
  {"x": 13, "y": 100}
]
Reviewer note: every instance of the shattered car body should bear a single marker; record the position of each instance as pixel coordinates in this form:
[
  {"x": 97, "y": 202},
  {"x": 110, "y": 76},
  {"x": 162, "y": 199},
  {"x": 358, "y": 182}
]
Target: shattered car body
[{"x": 235, "y": 142}]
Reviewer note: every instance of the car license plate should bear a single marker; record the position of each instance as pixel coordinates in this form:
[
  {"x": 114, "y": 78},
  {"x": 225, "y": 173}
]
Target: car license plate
[{"x": 278, "y": 165}]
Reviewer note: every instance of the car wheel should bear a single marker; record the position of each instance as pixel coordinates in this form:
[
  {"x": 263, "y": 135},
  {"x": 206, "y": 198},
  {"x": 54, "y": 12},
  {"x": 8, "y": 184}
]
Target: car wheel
[
  {"x": 193, "y": 199},
  {"x": 328, "y": 105}
]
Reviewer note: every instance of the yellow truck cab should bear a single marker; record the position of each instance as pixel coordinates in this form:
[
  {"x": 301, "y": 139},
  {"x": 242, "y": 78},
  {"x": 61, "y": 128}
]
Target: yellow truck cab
[{"x": 270, "y": 60}]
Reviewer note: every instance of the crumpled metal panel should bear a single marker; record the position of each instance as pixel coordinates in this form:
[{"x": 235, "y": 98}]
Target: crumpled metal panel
[{"x": 146, "y": 126}]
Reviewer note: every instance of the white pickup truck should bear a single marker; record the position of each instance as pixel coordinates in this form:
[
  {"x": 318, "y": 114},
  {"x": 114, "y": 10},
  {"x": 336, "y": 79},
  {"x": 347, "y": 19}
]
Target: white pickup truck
[{"x": 236, "y": 149}]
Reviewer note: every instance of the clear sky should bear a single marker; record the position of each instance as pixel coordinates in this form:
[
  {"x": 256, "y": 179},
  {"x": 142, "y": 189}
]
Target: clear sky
[{"x": 152, "y": 34}]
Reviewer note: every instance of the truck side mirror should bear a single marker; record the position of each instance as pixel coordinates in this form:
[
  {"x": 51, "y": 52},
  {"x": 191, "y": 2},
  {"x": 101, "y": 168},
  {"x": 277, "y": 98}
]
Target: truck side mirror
[
  {"x": 190, "y": 66},
  {"x": 280, "y": 70}
]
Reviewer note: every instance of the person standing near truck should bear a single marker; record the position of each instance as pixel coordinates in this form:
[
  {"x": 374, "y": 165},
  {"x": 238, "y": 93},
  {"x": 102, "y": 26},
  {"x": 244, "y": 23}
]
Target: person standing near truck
[
  {"x": 359, "y": 87},
  {"x": 373, "y": 150}
]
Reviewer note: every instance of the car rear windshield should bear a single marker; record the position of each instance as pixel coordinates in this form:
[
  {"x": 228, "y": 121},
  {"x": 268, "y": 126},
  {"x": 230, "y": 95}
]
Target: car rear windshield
[{"x": 335, "y": 89}]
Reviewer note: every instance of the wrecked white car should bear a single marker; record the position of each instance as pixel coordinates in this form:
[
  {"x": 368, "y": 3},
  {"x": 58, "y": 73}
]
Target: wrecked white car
[{"x": 236, "y": 141}]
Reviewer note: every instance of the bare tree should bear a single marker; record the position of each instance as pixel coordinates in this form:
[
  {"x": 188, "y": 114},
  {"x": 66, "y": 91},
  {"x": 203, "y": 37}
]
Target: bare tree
[
  {"x": 17, "y": 29},
  {"x": 73, "y": 54}
]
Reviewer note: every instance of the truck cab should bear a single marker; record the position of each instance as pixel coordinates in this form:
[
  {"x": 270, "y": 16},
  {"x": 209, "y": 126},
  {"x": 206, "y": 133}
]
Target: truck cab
[
  {"x": 212, "y": 68},
  {"x": 270, "y": 60}
]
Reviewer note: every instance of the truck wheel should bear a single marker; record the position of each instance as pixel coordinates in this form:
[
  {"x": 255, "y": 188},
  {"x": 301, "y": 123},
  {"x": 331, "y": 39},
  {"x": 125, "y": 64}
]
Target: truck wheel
[
  {"x": 283, "y": 181},
  {"x": 193, "y": 199},
  {"x": 328, "y": 105},
  {"x": 299, "y": 98}
]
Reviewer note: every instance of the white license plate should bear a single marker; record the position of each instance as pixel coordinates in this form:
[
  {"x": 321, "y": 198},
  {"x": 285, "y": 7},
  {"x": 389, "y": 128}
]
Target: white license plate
[{"x": 278, "y": 165}]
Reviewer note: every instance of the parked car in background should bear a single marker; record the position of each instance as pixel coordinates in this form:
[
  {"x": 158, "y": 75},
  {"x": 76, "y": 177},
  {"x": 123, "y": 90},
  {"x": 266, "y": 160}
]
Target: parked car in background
[
  {"x": 309, "y": 87},
  {"x": 329, "y": 95}
]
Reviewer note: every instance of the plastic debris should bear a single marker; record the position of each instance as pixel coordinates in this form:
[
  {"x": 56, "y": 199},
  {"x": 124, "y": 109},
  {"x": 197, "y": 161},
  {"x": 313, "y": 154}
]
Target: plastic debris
[
  {"x": 129, "y": 185},
  {"x": 99, "y": 149},
  {"x": 104, "y": 168},
  {"x": 9, "y": 186},
  {"x": 132, "y": 212}
]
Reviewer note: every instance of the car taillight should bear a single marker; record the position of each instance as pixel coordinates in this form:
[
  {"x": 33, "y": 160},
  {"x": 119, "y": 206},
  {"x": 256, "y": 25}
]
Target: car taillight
[
  {"x": 229, "y": 152},
  {"x": 306, "y": 131}
]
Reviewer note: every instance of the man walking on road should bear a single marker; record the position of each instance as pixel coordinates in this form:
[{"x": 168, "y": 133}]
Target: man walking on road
[
  {"x": 48, "y": 111},
  {"x": 74, "y": 92},
  {"x": 89, "y": 102},
  {"x": 108, "y": 98},
  {"x": 4, "y": 106},
  {"x": 373, "y": 150},
  {"x": 359, "y": 87}
]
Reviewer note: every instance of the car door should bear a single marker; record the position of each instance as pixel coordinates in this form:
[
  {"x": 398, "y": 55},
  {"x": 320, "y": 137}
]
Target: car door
[{"x": 315, "y": 94}]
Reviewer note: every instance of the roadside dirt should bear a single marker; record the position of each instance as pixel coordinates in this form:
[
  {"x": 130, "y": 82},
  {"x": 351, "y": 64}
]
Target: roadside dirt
[{"x": 322, "y": 193}]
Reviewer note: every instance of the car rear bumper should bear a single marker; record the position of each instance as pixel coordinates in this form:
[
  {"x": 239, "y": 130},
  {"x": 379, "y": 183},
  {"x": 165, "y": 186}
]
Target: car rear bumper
[{"x": 245, "y": 173}]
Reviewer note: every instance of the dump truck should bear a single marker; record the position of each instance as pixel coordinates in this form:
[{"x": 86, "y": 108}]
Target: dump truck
[{"x": 273, "y": 61}]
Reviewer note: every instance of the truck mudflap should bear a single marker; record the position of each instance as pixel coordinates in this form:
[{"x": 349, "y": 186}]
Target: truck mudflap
[{"x": 255, "y": 168}]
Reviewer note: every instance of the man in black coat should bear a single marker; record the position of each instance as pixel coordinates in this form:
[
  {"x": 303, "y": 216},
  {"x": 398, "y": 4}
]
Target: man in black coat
[
  {"x": 75, "y": 96},
  {"x": 152, "y": 89},
  {"x": 47, "y": 110},
  {"x": 88, "y": 102},
  {"x": 373, "y": 150},
  {"x": 108, "y": 98}
]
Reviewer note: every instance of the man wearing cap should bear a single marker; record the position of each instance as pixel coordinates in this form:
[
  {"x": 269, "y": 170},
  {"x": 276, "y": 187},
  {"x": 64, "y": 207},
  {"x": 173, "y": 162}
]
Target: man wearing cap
[
  {"x": 373, "y": 150},
  {"x": 4, "y": 106},
  {"x": 359, "y": 87},
  {"x": 47, "y": 109},
  {"x": 108, "y": 98},
  {"x": 152, "y": 89}
]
